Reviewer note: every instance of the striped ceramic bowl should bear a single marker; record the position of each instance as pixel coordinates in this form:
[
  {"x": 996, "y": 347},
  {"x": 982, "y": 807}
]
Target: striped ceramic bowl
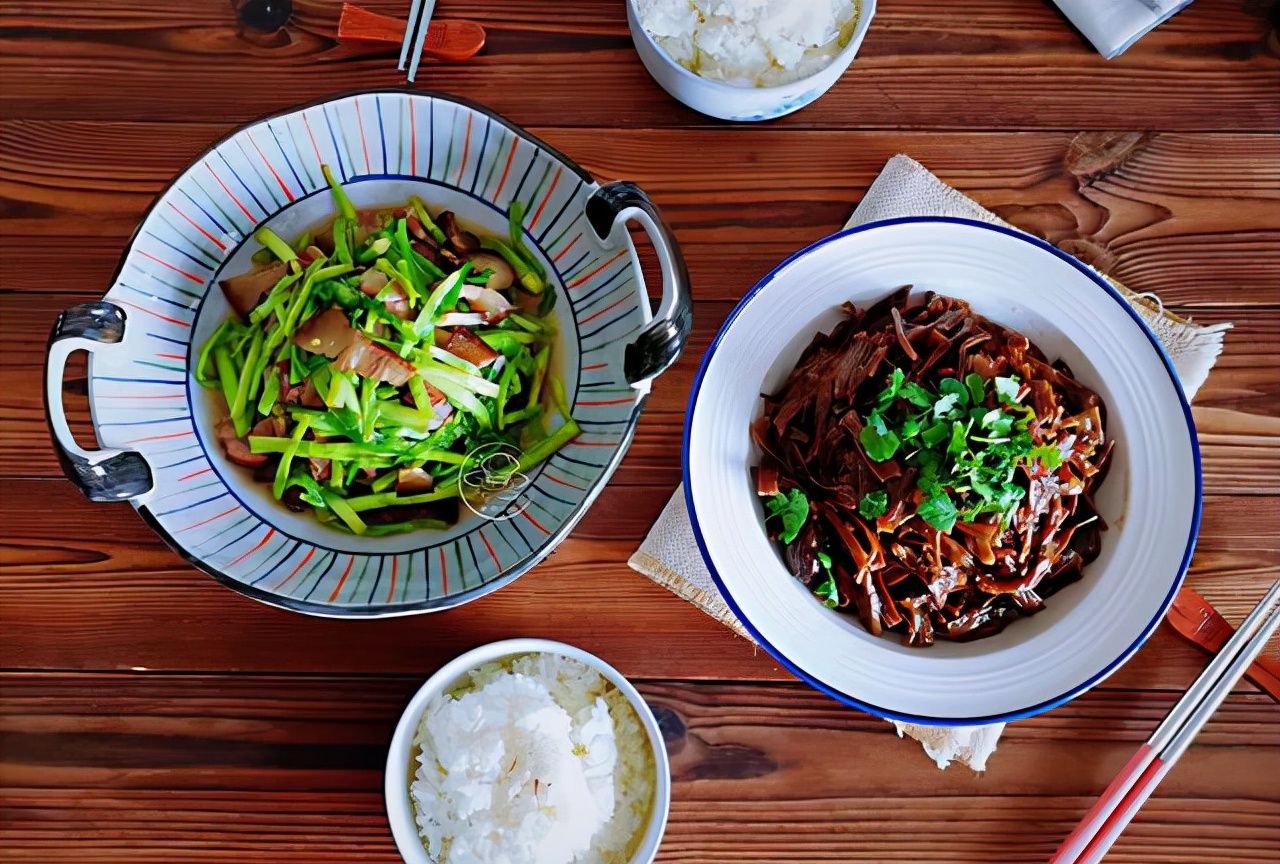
[{"x": 154, "y": 424}]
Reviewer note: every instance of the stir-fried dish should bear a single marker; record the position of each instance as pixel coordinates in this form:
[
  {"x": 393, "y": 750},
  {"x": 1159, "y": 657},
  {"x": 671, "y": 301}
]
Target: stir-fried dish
[
  {"x": 363, "y": 364},
  {"x": 930, "y": 471}
]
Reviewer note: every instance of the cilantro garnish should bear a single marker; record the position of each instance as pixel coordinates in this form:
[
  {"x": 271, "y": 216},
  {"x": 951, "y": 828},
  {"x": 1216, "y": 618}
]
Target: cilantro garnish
[
  {"x": 966, "y": 441},
  {"x": 826, "y": 590},
  {"x": 793, "y": 507}
]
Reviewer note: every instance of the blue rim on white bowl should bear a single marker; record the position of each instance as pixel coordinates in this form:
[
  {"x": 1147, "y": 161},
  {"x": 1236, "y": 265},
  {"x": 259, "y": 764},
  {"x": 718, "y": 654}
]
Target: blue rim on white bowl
[
  {"x": 1152, "y": 498},
  {"x": 155, "y": 428},
  {"x": 400, "y": 753}
]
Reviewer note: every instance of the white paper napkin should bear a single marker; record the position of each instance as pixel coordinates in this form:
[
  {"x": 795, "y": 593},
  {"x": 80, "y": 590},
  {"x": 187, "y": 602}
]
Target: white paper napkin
[
  {"x": 669, "y": 554},
  {"x": 1113, "y": 25}
]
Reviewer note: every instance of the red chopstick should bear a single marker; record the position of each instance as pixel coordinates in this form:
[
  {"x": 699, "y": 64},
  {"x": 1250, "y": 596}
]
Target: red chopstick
[{"x": 1124, "y": 796}]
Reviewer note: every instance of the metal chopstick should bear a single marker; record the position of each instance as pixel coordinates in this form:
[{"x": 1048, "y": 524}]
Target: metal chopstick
[{"x": 410, "y": 32}]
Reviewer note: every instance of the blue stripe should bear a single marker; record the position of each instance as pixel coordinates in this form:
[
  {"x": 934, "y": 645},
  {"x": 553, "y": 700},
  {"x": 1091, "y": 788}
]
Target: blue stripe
[
  {"x": 324, "y": 109},
  {"x": 194, "y": 244},
  {"x": 323, "y": 572},
  {"x": 183, "y": 462},
  {"x": 574, "y": 268},
  {"x": 382, "y": 132},
  {"x": 585, "y": 305},
  {"x": 147, "y": 422},
  {"x": 607, "y": 384},
  {"x": 253, "y": 163},
  {"x": 169, "y": 339},
  {"x": 604, "y": 422},
  {"x": 294, "y": 171},
  {"x": 532, "y": 159},
  {"x": 240, "y": 180},
  {"x": 552, "y": 497},
  {"x": 206, "y": 213},
  {"x": 228, "y": 530},
  {"x": 602, "y": 328},
  {"x": 151, "y": 296},
  {"x": 226, "y": 213},
  {"x": 484, "y": 142},
  {"x": 189, "y": 506},
  {"x": 512, "y": 523},
  {"x": 181, "y": 252},
  {"x": 382, "y": 562},
  {"x": 563, "y": 208},
  {"x": 179, "y": 382},
  {"x": 175, "y": 493},
  {"x": 584, "y": 301},
  {"x": 576, "y": 462},
  {"x": 194, "y": 295},
  {"x": 268, "y": 558},
  {"x": 274, "y": 567},
  {"x": 431, "y": 136}
]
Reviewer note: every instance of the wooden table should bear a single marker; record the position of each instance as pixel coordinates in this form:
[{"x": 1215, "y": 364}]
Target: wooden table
[{"x": 149, "y": 715}]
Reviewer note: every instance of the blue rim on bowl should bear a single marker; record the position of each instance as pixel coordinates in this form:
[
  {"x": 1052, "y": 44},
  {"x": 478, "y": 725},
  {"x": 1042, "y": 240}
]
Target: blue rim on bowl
[
  {"x": 385, "y": 145},
  {"x": 839, "y": 694}
]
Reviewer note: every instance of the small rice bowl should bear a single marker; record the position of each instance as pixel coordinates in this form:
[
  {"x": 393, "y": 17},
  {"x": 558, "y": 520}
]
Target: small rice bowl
[{"x": 534, "y": 759}]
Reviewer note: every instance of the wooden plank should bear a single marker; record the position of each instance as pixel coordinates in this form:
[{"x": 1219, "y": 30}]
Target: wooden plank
[
  {"x": 114, "y": 599},
  {"x": 99, "y": 768},
  {"x": 996, "y": 65}
]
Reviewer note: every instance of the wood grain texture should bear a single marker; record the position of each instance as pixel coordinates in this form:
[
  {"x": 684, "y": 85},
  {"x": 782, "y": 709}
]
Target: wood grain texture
[
  {"x": 149, "y": 715},
  {"x": 994, "y": 64},
  {"x": 96, "y": 767}
]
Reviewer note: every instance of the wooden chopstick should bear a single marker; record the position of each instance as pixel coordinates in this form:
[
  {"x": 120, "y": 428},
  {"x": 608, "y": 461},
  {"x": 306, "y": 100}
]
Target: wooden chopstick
[{"x": 1104, "y": 822}]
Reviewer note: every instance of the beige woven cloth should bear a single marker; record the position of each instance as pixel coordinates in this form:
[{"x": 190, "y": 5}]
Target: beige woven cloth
[{"x": 670, "y": 556}]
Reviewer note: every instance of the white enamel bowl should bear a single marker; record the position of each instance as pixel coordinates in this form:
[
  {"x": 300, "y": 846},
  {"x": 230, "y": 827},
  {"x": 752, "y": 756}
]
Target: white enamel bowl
[
  {"x": 744, "y": 104},
  {"x": 401, "y": 760},
  {"x": 1151, "y": 498}
]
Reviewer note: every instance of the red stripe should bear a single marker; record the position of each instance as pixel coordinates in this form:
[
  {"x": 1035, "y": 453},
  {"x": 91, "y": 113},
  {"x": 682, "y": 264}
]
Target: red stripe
[
  {"x": 535, "y": 522},
  {"x": 395, "y": 567},
  {"x": 444, "y": 572},
  {"x": 511, "y": 155},
  {"x": 301, "y": 564},
  {"x": 210, "y": 519},
  {"x": 231, "y": 195},
  {"x": 263, "y": 542},
  {"x": 314, "y": 145},
  {"x": 178, "y": 321},
  {"x": 413, "y": 141},
  {"x": 614, "y": 305},
  {"x": 173, "y": 356},
  {"x": 271, "y": 168},
  {"x": 543, "y": 205},
  {"x": 562, "y": 482},
  {"x": 621, "y": 401},
  {"x": 562, "y": 252},
  {"x": 194, "y": 474},
  {"x": 576, "y": 282},
  {"x": 594, "y": 366},
  {"x": 161, "y": 437},
  {"x": 594, "y": 443},
  {"x": 337, "y": 589},
  {"x": 363, "y": 144},
  {"x": 492, "y": 554},
  {"x": 466, "y": 147},
  {"x": 194, "y": 278},
  {"x": 214, "y": 240}
]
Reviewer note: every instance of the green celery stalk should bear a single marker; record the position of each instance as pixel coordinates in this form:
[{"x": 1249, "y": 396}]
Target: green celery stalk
[
  {"x": 433, "y": 373},
  {"x": 275, "y": 298},
  {"x": 540, "y": 363},
  {"x": 527, "y": 413},
  {"x": 342, "y": 509},
  {"x": 515, "y": 228},
  {"x": 540, "y": 452},
  {"x": 528, "y": 277},
  {"x": 302, "y": 242},
  {"x": 504, "y": 390},
  {"x": 460, "y": 396},
  {"x": 341, "y": 250},
  {"x": 525, "y": 323},
  {"x": 270, "y": 392},
  {"x": 368, "y": 408},
  {"x": 384, "y": 481},
  {"x": 405, "y": 527},
  {"x": 443, "y": 297},
  {"x": 403, "y": 416},
  {"x": 202, "y": 362},
  {"x": 286, "y": 459},
  {"x": 226, "y": 374},
  {"x": 558, "y": 395},
  {"x": 427, "y": 222},
  {"x": 377, "y": 247},
  {"x": 249, "y": 376},
  {"x": 278, "y": 247},
  {"x": 345, "y": 208},
  {"x": 387, "y": 499}
]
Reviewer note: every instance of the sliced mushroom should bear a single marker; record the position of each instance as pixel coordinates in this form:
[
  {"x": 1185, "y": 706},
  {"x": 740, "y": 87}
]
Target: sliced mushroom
[
  {"x": 462, "y": 241},
  {"x": 245, "y": 291},
  {"x": 470, "y": 347},
  {"x": 501, "y": 276},
  {"x": 494, "y": 306},
  {"x": 320, "y": 469}
]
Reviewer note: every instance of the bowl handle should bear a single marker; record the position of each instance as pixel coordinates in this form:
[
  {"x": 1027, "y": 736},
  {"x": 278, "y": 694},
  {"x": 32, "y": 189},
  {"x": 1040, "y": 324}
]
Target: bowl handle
[
  {"x": 102, "y": 475},
  {"x": 659, "y": 344}
]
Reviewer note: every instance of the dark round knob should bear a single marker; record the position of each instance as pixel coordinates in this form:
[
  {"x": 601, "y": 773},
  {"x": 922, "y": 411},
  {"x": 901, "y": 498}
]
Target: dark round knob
[{"x": 267, "y": 16}]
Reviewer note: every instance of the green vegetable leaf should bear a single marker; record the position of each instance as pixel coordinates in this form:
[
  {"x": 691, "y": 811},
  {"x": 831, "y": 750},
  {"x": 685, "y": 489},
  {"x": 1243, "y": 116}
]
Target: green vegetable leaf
[
  {"x": 1007, "y": 388},
  {"x": 940, "y": 512},
  {"x": 957, "y": 443},
  {"x": 890, "y": 393},
  {"x": 1047, "y": 454},
  {"x": 952, "y": 386},
  {"x": 874, "y": 504},
  {"x": 945, "y": 403},
  {"x": 793, "y": 508},
  {"x": 910, "y": 428},
  {"x": 916, "y": 395},
  {"x": 827, "y": 592},
  {"x": 879, "y": 443},
  {"x": 977, "y": 386},
  {"x": 824, "y": 559},
  {"x": 936, "y": 434},
  {"x": 997, "y": 422}
]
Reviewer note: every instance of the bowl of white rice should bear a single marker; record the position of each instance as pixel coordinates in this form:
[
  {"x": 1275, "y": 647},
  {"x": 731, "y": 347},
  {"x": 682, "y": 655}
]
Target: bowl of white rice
[
  {"x": 748, "y": 60},
  {"x": 527, "y": 751}
]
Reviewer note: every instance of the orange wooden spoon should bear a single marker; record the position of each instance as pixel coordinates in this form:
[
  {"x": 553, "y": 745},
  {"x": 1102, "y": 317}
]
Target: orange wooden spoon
[{"x": 446, "y": 40}]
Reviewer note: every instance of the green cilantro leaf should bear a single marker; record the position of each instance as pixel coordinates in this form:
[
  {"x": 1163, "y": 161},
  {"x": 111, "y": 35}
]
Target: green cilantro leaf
[
  {"x": 952, "y": 387},
  {"x": 824, "y": 559},
  {"x": 879, "y": 443},
  {"x": 1007, "y": 388},
  {"x": 936, "y": 434},
  {"x": 793, "y": 508},
  {"x": 910, "y": 428},
  {"x": 977, "y": 386},
  {"x": 888, "y": 394},
  {"x": 916, "y": 395},
  {"x": 945, "y": 403},
  {"x": 940, "y": 512},
  {"x": 1048, "y": 455},
  {"x": 957, "y": 443},
  {"x": 827, "y": 592},
  {"x": 874, "y": 504}
]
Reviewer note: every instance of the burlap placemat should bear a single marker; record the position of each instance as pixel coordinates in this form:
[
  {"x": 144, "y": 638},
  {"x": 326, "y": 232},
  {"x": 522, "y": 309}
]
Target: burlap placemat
[{"x": 669, "y": 555}]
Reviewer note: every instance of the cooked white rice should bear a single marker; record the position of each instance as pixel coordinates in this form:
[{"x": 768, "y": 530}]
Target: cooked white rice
[{"x": 537, "y": 759}]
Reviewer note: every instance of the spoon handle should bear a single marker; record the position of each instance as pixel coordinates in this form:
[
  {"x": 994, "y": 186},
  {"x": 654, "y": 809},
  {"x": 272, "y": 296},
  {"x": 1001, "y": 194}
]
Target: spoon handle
[{"x": 446, "y": 40}]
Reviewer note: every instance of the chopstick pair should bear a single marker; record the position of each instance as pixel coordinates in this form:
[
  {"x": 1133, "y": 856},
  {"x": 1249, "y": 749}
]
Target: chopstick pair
[
  {"x": 415, "y": 34},
  {"x": 1120, "y": 802}
]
